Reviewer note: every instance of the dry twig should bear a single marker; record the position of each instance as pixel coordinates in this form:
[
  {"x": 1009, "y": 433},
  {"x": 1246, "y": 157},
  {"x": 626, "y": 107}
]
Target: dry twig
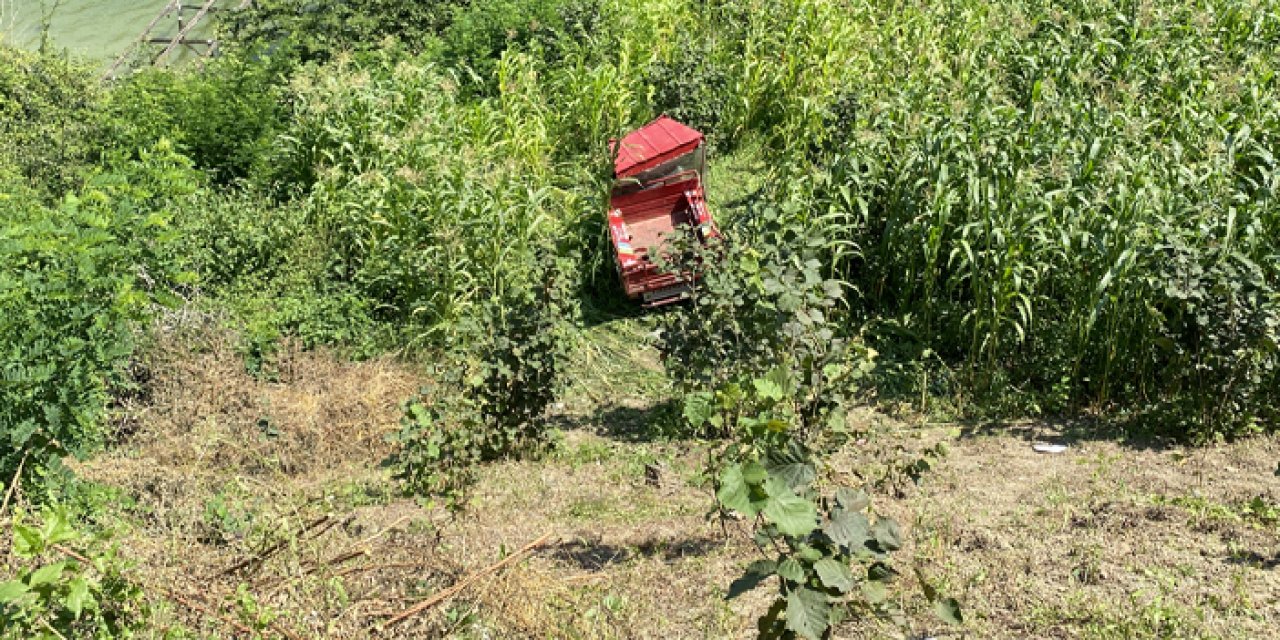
[{"x": 465, "y": 582}]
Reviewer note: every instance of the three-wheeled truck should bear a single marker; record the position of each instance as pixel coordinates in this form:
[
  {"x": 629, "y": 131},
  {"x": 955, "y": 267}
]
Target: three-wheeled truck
[{"x": 658, "y": 173}]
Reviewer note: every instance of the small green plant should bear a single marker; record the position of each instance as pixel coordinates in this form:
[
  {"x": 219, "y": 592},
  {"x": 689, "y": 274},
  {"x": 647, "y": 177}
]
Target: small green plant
[
  {"x": 61, "y": 593},
  {"x": 830, "y": 557}
]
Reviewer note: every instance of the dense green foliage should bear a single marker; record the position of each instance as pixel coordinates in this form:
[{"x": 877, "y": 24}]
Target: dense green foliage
[
  {"x": 1025, "y": 207},
  {"x": 47, "y": 130},
  {"x": 1064, "y": 204},
  {"x": 73, "y": 279}
]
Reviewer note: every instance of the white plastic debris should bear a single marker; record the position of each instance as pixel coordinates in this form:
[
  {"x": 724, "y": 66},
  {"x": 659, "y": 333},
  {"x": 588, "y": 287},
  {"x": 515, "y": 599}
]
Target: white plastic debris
[{"x": 1044, "y": 447}]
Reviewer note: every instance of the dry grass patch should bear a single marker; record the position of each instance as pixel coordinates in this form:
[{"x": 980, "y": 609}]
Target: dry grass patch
[{"x": 298, "y": 533}]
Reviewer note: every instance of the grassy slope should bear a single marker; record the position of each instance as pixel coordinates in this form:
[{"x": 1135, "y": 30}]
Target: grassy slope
[{"x": 1111, "y": 539}]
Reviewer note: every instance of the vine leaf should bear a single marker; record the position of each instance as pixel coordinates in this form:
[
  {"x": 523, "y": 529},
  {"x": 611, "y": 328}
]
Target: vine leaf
[
  {"x": 792, "y": 465},
  {"x": 791, "y": 569},
  {"x": 78, "y": 597},
  {"x": 848, "y": 528},
  {"x": 734, "y": 493},
  {"x": 888, "y": 535},
  {"x": 852, "y": 499},
  {"x": 948, "y": 609},
  {"x": 11, "y": 591}
]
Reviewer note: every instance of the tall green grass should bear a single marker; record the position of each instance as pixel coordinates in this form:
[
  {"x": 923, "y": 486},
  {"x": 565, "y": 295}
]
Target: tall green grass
[{"x": 1071, "y": 203}]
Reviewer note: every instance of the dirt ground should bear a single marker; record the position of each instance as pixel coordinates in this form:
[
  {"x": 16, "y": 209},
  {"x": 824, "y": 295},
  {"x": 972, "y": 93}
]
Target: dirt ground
[{"x": 260, "y": 507}]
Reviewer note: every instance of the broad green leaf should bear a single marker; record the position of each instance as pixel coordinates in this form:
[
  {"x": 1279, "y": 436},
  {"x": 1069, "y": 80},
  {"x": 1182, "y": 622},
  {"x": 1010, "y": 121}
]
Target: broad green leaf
[
  {"x": 834, "y": 574},
  {"x": 768, "y": 389},
  {"x": 791, "y": 569},
  {"x": 875, "y": 592},
  {"x": 793, "y": 515},
  {"x": 27, "y": 541},
  {"x": 770, "y": 625},
  {"x": 757, "y": 573},
  {"x": 734, "y": 493},
  {"x": 698, "y": 409},
  {"x": 850, "y": 529},
  {"x": 57, "y": 528},
  {"x": 78, "y": 597},
  {"x": 12, "y": 590},
  {"x": 887, "y": 534},
  {"x": 807, "y": 612},
  {"x": 46, "y": 574},
  {"x": 808, "y": 553},
  {"x": 793, "y": 466},
  {"x": 881, "y": 572},
  {"x": 781, "y": 378},
  {"x": 754, "y": 473},
  {"x": 948, "y": 609}
]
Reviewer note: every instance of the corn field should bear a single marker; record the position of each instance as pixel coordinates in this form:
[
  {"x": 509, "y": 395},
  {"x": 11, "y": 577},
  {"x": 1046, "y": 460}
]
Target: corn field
[{"x": 1070, "y": 205}]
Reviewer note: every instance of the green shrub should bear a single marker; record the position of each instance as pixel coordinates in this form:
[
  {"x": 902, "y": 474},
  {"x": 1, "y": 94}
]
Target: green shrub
[
  {"x": 760, "y": 302},
  {"x": 1217, "y": 351},
  {"x": 1013, "y": 208},
  {"x": 73, "y": 281},
  {"x": 224, "y": 116},
  {"x": 830, "y": 559},
  {"x": 493, "y": 391},
  {"x": 425, "y": 202},
  {"x": 50, "y": 120},
  {"x": 318, "y": 30}
]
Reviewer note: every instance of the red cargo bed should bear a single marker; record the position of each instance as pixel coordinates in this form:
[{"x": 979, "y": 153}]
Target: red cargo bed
[{"x": 658, "y": 193}]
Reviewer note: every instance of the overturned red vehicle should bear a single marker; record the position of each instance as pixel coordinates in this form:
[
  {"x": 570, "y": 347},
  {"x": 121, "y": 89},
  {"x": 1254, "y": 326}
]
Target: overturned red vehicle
[{"x": 658, "y": 172}]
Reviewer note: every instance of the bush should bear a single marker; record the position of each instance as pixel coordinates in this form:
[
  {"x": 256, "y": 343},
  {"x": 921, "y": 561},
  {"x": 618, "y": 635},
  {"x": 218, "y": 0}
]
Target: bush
[
  {"x": 761, "y": 303},
  {"x": 1217, "y": 354},
  {"x": 50, "y": 120},
  {"x": 494, "y": 389},
  {"x": 318, "y": 30},
  {"x": 225, "y": 117},
  {"x": 73, "y": 281}
]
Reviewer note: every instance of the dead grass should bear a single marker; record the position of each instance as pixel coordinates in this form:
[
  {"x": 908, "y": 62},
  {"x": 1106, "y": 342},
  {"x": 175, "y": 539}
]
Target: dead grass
[{"x": 1108, "y": 540}]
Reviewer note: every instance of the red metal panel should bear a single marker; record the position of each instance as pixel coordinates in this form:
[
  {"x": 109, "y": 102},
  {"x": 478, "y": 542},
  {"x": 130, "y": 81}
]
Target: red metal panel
[{"x": 652, "y": 145}]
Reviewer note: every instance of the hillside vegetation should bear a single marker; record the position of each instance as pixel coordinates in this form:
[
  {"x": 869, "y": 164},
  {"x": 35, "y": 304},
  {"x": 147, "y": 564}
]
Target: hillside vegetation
[{"x": 954, "y": 212}]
